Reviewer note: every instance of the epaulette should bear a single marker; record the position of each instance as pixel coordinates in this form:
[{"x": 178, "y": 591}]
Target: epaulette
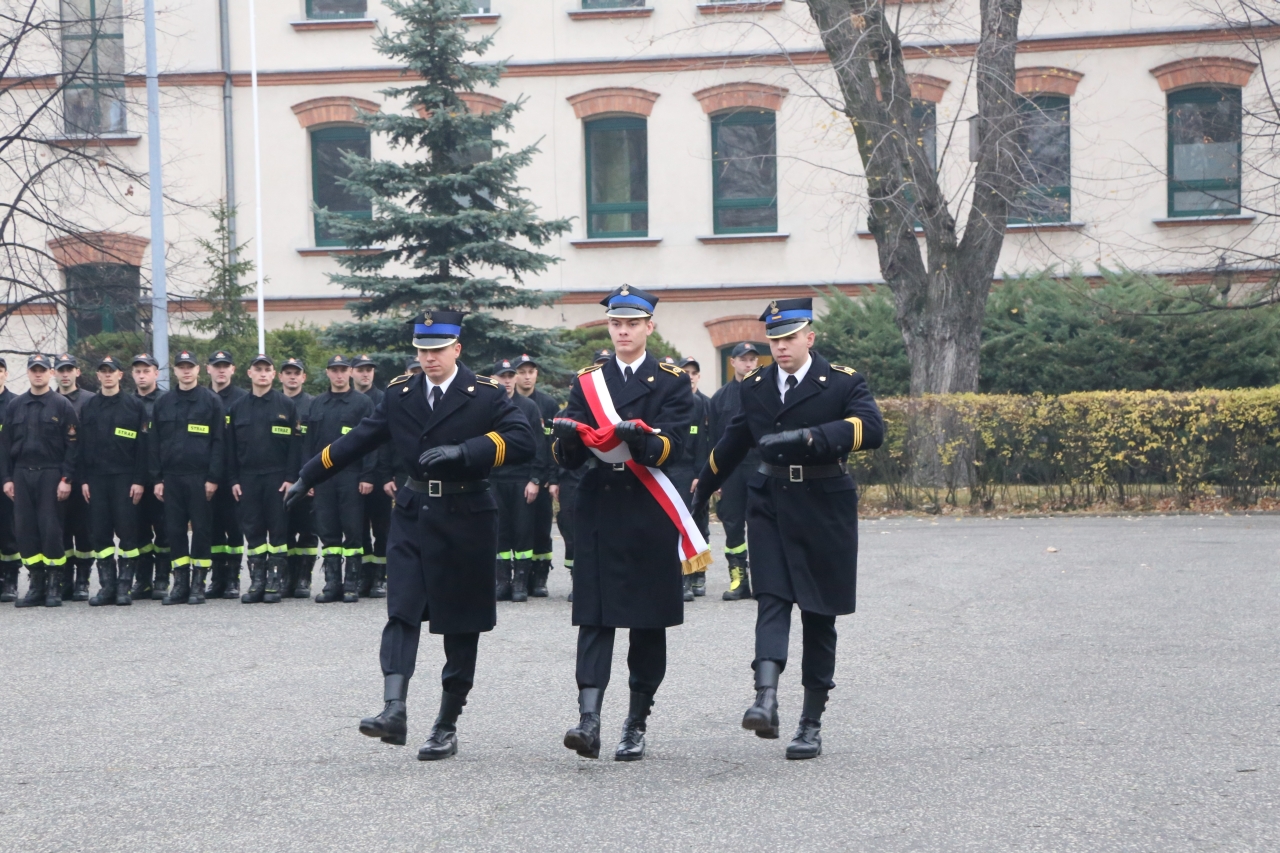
[
  {"x": 671, "y": 368},
  {"x": 843, "y": 369},
  {"x": 749, "y": 375},
  {"x": 590, "y": 368},
  {"x": 485, "y": 380},
  {"x": 405, "y": 377}
]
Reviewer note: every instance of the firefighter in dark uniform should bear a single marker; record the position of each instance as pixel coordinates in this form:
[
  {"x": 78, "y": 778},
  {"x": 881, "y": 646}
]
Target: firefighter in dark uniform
[
  {"x": 377, "y": 504},
  {"x": 300, "y": 530},
  {"x": 186, "y": 460},
  {"x": 228, "y": 542},
  {"x": 10, "y": 559},
  {"x": 151, "y": 577},
  {"x": 702, "y": 409},
  {"x": 263, "y": 456},
  {"x": 449, "y": 428},
  {"x": 112, "y": 476},
  {"x": 76, "y": 539},
  {"x": 684, "y": 471},
  {"x": 548, "y": 408},
  {"x": 731, "y": 509},
  {"x": 339, "y": 502},
  {"x": 38, "y": 450},
  {"x": 516, "y": 489},
  {"x": 566, "y": 490},
  {"x": 805, "y": 416},
  {"x": 627, "y": 566}
]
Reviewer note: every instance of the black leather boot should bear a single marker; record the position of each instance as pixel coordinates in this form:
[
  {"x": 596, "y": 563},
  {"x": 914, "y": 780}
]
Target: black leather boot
[
  {"x": 302, "y": 581},
  {"x": 257, "y": 580},
  {"x": 699, "y": 584},
  {"x": 9, "y": 580},
  {"x": 584, "y": 738},
  {"x": 332, "y": 580},
  {"x": 83, "y": 572},
  {"x": 631, "y": 747},
  {"x": 289, "y": 577},
  {"x": 180, "y": 589},
  {"x": 762, "y": 717},
  {"x": 538, "y": 578},
  {"x": 392, "y": 724},
  {"x": 197, "y": 595},
  {"x": 54, "y": 592},
  {"x": 106, "y": 583},
  {"x": 444, "y": 734},
  {"x": 687, "y": 590},
  {"x": 160, "y": 585},
  {"x": 124, "y": 578},
  {"x": 145, "y": 566},
  {"x": 520, "y": 580},
  {"x": 275, "y": 568},
  {"x": 367, "y": 572},
  {"x": 739, "y": 579},
  {"x": 502, "y": 579},
  {"x": 351, "y": 582},
  {"x": 807, "y": 742},
  {"x": 568, "y": 567},
  {"x": 37, "y": 582},
  {"x": 217, "y": 577},
  {"x": 231, "y": 576},
  {"x": 379, "y": 589}
]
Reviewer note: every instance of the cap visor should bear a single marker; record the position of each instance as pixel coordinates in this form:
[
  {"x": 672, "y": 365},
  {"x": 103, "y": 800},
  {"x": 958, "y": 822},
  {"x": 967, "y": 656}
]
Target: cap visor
[
  {"x": 783, "y": 329},
  {"x": 627, "y": 311},
  {"x": 433, "y": 343}
]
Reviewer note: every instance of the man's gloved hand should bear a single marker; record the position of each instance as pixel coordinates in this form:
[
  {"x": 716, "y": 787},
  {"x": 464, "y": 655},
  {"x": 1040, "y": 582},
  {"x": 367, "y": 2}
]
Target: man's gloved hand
[
  {"x": 296, "y": 492},
  {"x": 443, "y": 453},
  {"x": 701, "y": 499},
  {"x": 786, "y": 440},
  {"x": 633, "y": 434},
  {"x": 564, "y": 428}
]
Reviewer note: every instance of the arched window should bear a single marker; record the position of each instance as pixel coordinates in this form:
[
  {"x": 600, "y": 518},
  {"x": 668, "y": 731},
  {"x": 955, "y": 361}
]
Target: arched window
[
  {"x": 617, "y": 177},
  {"x": 1043, "y": 149},
  {"x": 328, "y": 145},
  {"x": 744, "y": 153},
  {"x": 101, "y": 298},
  {"x": 1205, "y": 127}
]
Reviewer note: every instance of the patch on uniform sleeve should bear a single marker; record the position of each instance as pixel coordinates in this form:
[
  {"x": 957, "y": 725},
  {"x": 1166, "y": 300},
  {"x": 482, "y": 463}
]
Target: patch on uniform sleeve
[
  {"x": 843, "y": 369},
  {"x": 671, "y": 368},
  {"x": 404, "y": 377}
]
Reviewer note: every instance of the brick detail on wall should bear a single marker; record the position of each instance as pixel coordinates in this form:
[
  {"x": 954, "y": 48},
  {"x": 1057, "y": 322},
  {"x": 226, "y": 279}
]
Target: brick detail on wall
[
  {"x": 738, "y": 327},
  {"x": 1047, "y": 80},
  {"x": 736, "y": 96},
  {"x": 481, "y": 104},
  {"x": 332, "y": 110},
  {"x": 98, "y": 247},
  {"x": 1203, "y": 71},
  {"x": 613, "y": 99}
]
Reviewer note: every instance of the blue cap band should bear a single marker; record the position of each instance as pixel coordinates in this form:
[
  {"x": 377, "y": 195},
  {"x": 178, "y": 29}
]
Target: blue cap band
[
  {"x": 436, "y": 330},
  {"x": 793, "y": 314},
  {"x": 631, "y": 300}
]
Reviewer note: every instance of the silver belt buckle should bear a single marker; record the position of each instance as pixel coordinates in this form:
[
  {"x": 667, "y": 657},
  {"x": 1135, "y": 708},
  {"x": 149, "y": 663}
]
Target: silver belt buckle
[
  {"x": 619, "y": 466},
  {"x": 435, "y": 489},
  {"x": 795, "y": 473}
]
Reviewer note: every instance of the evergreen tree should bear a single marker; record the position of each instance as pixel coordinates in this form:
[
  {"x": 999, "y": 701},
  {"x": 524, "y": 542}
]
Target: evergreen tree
[
  {"x": 449, "y": 218},
  {"x": 227, "y": 322}
]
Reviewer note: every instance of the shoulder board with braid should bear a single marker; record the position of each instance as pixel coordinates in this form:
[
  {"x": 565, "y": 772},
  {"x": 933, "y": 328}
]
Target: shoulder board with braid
[
  {"x": 843, "y": 369},
  {"x": 671, "y": 368},
  {"x": 589, "y": 368},
  {"x": 402, "y": 378},
  {"x": 752, "y": 373},
  {"x": 485, "y": 380}
]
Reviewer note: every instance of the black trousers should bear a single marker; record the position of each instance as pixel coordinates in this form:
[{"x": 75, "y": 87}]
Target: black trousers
[
  {"x": 185, "y": 504},
  {"x": 8, "y": 536},
  {"x": 76, "y": 539},
  {"x": 339, "y": 515},
  {"x": 542, "y": 518},
  {"x": 225, "y": 537},
  {"x": 262, "y": 515},
  {"x": 682, "y": 476},
  {"x": 153, "y": 532},
  {"x": 515, "y": 520},
  {"x": 646, "y": 657},
  {"x": 732, "y": 510},
  {"x": 38, "y": 515},
  {"x": 300, "y": 533},
  {"x": 818, "y": 656},
  {"x": 399, "y": 655},
  {"x": 112, "y": 514},
  {"x": 377, "y": 523},
  {"x": 564, "y": 518}
]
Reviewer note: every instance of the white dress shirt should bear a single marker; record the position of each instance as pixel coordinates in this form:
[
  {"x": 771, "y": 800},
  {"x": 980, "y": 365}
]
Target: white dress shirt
[
  {"x": 635, "y": 365},
  {"x": 443, "y": 386},
  {"x": 799, "y": 375}
]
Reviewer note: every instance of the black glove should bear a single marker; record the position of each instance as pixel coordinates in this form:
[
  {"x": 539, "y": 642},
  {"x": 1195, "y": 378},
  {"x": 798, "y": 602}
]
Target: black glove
[
  {"x": 785, "y": 440},
  {"x": 565, "y": 429},
  {"x": 701, "y": 499},
  {"x": 634, "y": 435},
  {"x": 295, "y": 493},
  {"x": 440, "y": 454}
]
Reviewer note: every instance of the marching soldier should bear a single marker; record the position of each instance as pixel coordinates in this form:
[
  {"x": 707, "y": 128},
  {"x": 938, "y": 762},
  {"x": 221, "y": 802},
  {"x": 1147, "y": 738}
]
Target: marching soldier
[
  {"x": 548, "y": 408},
  {"x": 684, "y": 470},
  {"x": 702, "y": 410},
  {"x": 10, "y": 559},
  {"x": 112, "y": 476},
  {"x": 630, "y": 538},
  {"x": 339, "y": 502},
  {"x": 151, "y": 576},
  {"x": 449, "y": 428},
  {"x": 516, "y": 488},
  {"x": 76, "y": 538},
  {"x": 732, "y": 507},
  {"x": 300, "y": 531},
  {"x": 228, "y": 543},
  {"x": 805, "y": 416},
  {"x": 377, "y": 504},
  {"x": 186, "y": 461},
  {"x": 566, "y": 492}
]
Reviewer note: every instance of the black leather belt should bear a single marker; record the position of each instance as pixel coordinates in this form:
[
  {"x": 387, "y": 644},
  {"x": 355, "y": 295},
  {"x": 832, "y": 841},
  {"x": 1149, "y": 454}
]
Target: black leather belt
[
  {"x": 800, "y": 473},
  {"x": 440, "y": 488},
  {"x": 606, "y": 466}
]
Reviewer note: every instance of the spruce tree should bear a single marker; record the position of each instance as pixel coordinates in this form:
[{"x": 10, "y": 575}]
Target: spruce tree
[{"x": 448, "y": 217}]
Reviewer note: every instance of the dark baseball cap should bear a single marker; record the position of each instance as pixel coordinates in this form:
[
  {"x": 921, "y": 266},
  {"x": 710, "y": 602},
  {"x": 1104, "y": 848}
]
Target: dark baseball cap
[
  {"x": 744, "y": 348},
  {"x": 185, "y": 357},
  {"x": 524, "y": 359},
  {"x": 65, "y": 360},
  {"x": 145, "y": 358},
  {"x": 221, "y": 357},
  {"x": 39, "y": 360},
  {"x": 338, "y": 360},
  {"x": 688, "y": 360},
  {"x": 108, "y": 361},
  {"x": 262, "y": 358},
  {"x": 412, "y": 364},
  {"x": 295, "y": 363},
  {"x": 602, "y": 355},
  {"x": 503, "y": 365},
  {"x": 666, "y": 359},
  {"x": 363, "y": 360}
]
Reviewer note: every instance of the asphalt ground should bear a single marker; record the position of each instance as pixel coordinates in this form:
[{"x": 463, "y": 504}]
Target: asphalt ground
[{"x": 1120, "y": 693}]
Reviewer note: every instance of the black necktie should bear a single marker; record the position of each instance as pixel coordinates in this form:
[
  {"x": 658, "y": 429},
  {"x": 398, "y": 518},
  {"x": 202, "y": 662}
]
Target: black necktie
[
  {"x": 436, "y": 394},
  {"x": 790, "y": 383},
  {"x": 626, "y": 375}
]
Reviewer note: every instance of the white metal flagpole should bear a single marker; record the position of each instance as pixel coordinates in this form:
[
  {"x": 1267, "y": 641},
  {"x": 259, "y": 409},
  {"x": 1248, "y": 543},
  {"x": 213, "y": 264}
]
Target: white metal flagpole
[
  {"x": 257, "y": 174},
  {"x": 159, "y": 290}
]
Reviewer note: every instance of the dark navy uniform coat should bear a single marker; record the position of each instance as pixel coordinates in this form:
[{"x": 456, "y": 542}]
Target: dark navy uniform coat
[
  {"x": 803, "y": 537},
  {"x": 626, "y": 569},
  {"x": 441, "y": 550}
]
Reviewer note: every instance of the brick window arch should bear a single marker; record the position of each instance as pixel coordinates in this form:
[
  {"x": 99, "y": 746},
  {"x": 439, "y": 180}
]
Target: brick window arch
[
  {"x": 613, "y": 100},
  {"x": 98, "y": 247},
  {"x": 103, "y": 281},
  {"x": 1047, "y": 81},
  {"x": 1204, "y": 71},
  {"x": 727, "y": 331},
  {"x": 480, "y": 104},
  {"x": 738, "y": 96},
  {"x": 332, "y": 110}
]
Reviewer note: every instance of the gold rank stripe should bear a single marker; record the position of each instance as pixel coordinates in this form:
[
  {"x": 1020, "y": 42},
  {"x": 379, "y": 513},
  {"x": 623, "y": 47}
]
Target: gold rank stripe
[
  {"x": 500, "y": 451},
  {"x": 856, "y": 423},
  {"x": 712, "y": 461},
  {"x": 666, "y": 450},
  {"x": 325, "y": 459}
]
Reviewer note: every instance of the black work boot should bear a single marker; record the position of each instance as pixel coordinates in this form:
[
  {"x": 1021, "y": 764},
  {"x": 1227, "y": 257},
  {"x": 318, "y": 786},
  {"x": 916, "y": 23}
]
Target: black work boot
[
  {"x": 257, "y": 580},
  {"x": 160, "y": 585},
  {"x": 84, "y": 571},
  {"x": 9, "y": 580},
  {"x": 569, "y": 568},
  {"x": 351, "y": 582},
  {"x": 367, "y": 573},
  {"x": 444, "y": 734},
  {"x": 302, "y": 580},
  {"x": 124, "y": 578},
  {"x": 699, "y": 584},
  {"x": 217, "y": 577},
  {"x": 289, "y": 577},
  {"x": 275, "y": 568},
  {"x": 502, "y": 579},
  {"x": 36, "y": 585},
  {"x": 392, "y": 724},
  {"x": 538, "y": 578},
  {"x": 144, "y": 567},
  {"x": 54, "y": 592},
  {"x": 180, "y": 589},
  {"x": 762, "y": 717},
  {"x": 106, "y": 583},
  {"x": 631, "y": 747},
  {"x": 807, "y": 742},
  {"x": 332, "y": 580},
  {"x": 231, "y": 577},
  {"x": 379, "y": 589},
  {"x": 197, "y": 594},
  {"x": 739, "y": 579},
  {"x": 584, "y": 738},
  {"x": 520, "y": 580},
  {"x": 687, "y": 587}
]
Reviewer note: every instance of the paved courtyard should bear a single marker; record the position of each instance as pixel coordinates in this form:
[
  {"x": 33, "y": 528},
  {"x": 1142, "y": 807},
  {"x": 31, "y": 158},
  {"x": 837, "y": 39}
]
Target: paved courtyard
[{"x": 1120, "y": 693}]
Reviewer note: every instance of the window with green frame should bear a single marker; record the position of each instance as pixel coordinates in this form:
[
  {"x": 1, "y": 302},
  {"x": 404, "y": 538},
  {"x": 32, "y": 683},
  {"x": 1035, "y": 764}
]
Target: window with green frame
[
  {"x": 1043, "y": 146},
  {"x": 337, "y": 8},
  {"x": 93, "y": 67},
  {"x": 744, "y": 158},
  {"x": 617, "y": 177},
  {"x": 328, "y": 145},
  {"x": 924, "y": 141},
  {"x": 610, "y": 4},
  {"x": 102, "y": 298},
  {"x": 1205, "y": 127}
]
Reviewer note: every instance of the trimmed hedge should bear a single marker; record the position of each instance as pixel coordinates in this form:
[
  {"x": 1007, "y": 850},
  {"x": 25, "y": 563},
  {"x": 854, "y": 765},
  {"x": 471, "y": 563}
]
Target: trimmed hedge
[{"x": 1077, "y": 450}]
